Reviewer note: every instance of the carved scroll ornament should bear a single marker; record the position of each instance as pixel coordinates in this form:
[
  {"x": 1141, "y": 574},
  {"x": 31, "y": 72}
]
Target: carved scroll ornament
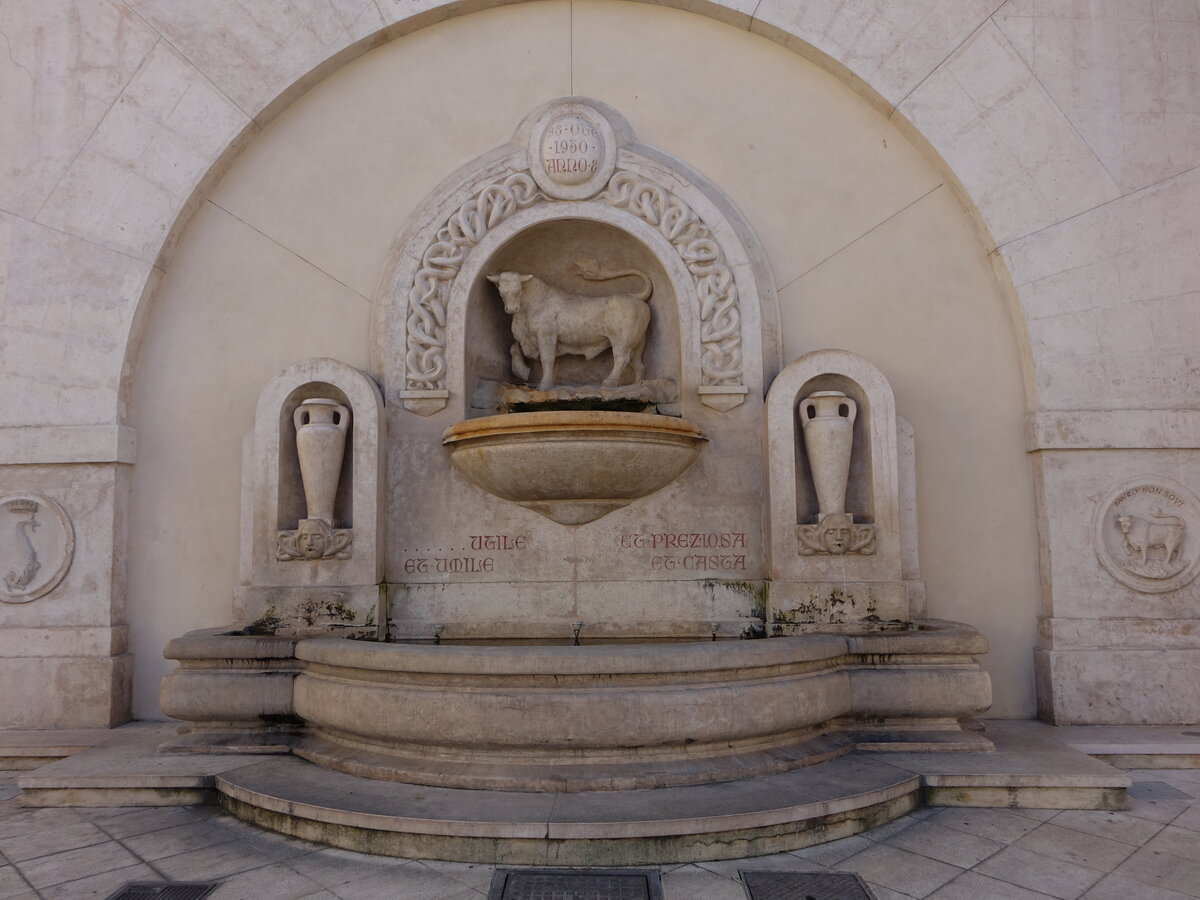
[{"x": 836, "y": 535}]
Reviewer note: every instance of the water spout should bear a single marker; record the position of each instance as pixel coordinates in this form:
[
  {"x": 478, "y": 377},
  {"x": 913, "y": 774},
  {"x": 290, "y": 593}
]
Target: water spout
[
  {"x": 576, "y": 627},
  {"x": 716, "y": 627},
  {"x": 437, "y": 633}
]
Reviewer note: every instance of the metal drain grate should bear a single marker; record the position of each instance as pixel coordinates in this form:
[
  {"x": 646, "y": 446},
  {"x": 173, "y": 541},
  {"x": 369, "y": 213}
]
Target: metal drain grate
[
  {"x": 804, "y": 886},
  {"x": 151, "y": 890},
  {"x": 575, "y": 884}
]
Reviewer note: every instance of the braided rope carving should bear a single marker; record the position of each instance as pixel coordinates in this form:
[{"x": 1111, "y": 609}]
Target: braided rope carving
[
  {"x": 425, "y": 360},
  {"x": 720, "y": 315}
]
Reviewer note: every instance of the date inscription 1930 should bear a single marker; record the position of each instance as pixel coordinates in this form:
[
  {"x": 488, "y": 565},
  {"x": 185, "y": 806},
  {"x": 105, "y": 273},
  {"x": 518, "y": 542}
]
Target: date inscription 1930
[{"x": 572, "y": 149}]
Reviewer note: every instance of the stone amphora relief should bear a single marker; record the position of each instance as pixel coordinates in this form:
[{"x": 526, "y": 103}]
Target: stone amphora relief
[
  {"x": 827, "y": 418},
  {"x": 320, "y": 443}
]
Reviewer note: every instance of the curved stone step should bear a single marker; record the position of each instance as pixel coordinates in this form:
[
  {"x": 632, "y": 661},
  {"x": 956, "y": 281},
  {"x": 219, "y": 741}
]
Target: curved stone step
[{"x": 764, "y": 814}]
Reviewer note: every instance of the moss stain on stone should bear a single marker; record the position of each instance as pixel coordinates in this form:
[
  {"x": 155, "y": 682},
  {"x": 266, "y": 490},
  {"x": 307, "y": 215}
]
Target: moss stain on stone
[{"x": 267, "y": 623}]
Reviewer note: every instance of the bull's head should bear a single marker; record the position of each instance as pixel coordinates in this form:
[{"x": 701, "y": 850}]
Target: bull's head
[
  {"x": 1124, "y": 522},
  {"x": 510, "y": 284}
]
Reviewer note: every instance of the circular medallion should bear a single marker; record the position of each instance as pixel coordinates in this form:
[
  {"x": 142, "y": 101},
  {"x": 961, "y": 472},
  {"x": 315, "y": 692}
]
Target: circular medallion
[
  {"x": 1147, "y": 534},
  {"x": 572, "y": 151},
  {"x": 37, "y": 545}
]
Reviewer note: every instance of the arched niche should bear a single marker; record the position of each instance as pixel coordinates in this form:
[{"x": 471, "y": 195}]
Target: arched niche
[
  {"x": 549, "y": 242},
  {"x": 561, "y": 252},
  {"x": 655, "y": 209}
]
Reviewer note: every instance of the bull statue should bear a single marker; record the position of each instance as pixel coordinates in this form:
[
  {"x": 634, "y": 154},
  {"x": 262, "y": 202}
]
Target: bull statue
[
  {"x": 1140, "y": 535},
  {"x": 548, "y": 322}
]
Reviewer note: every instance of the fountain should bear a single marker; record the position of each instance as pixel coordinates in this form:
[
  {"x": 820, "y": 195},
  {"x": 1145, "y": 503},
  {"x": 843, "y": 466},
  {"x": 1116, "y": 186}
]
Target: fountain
[{"x": 570, "y": 547}]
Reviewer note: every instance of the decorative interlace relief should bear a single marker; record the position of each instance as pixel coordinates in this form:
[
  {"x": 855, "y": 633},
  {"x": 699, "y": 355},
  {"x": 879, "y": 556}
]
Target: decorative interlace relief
[{"x": 720, "y": 315}]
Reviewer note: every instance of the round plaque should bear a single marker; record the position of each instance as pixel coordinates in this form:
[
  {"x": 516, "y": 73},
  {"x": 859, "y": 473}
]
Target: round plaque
[
  {"x": 37, "y": 544},
  {"x": 572, "y": 151},
  {"x": 1147, "y": 534}
]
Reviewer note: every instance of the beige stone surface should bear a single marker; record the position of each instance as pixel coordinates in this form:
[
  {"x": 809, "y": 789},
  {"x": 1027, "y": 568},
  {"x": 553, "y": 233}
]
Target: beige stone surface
[
  {"x": 1126, "y": 75},
  {"x": 31, "y": 444},
  {"x": 814, "y": 167},
  {"x": 179, "y": 390},
  {"x": 255, "y": 53},
  {"x": 65, "y": 325},
  {"x": 994, "y": 125},
  {"x": 1109, "y": 300},
  {"x": 145, "y": 158},
  {"x": 891, "y": 47},
  {"x": 62, "y": 691},
  {"x": 66, "y": 64},
  {"x": 392, "y": 163},
  {"x": 964, "y": 403}
]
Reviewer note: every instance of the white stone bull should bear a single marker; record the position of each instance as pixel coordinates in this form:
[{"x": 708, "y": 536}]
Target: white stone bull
[
  {"x": 1141, "y": 535},
  {"x": 547, "y": 323}
]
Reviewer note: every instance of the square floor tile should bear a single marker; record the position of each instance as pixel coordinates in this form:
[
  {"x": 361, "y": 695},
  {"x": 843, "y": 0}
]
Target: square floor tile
[
  {"x": 71, "y": 865},
  {"x": 917, "y": 876},
  {"x": 1076, "y": 847},
  {"x": 959, "y": 848},
  {"x": 994, "y": 824},
  {"x": 1037, "y": 872},
  {"x": 1120, "y": 887},
  {"x": 1116, "y": 826},
  {"x": 973, "y": 886}
]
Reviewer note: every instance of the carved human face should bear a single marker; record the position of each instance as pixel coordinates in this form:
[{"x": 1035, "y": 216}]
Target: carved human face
[
  {"x": 510, "y": 285},
  {"x": 312, "y": 538},
  {"x": 837, "y": 533}
]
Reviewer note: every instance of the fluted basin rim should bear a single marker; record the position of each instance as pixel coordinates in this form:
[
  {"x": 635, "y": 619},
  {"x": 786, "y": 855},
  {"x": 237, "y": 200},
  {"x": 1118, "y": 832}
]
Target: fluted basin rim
[{"x": 570, "y": 421}]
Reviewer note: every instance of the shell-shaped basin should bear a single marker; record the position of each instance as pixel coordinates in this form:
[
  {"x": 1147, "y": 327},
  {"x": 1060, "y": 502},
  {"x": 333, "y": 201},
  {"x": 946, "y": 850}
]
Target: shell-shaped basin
[{"x": 573, "y": 466}]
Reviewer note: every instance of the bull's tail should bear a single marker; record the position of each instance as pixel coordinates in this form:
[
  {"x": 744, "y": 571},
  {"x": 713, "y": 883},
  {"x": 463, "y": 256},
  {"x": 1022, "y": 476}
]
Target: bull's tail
[{"x": 591, "y": 273}]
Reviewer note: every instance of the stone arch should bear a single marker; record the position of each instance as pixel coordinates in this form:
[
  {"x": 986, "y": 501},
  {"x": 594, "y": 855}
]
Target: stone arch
[
  {"x": 882, "y": 85},
  {"x": 728, "y": 309}
]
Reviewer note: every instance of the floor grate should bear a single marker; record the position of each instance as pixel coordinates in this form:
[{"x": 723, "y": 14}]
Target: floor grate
[
  {"x": 804, "y": 886},
  {"x": 575, "y": 884},
  {"x": 151, "y": 890}
]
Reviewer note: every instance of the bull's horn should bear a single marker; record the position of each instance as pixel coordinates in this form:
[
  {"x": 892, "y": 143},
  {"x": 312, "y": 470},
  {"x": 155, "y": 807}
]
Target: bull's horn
[
  {"x": 525, "y": 278},
  {"x": 494, "y": 279}
]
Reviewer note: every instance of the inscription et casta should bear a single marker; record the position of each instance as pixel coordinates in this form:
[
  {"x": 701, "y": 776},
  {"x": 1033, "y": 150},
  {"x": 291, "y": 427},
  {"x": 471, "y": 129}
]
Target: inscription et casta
[{"x": 693, "y": 540}]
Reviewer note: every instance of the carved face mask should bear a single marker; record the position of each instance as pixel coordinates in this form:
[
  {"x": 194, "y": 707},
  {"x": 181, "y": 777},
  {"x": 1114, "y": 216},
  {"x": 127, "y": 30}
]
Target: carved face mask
[
  {"x": 312, "y": 539},
  {"x": 837, "y": 533}
]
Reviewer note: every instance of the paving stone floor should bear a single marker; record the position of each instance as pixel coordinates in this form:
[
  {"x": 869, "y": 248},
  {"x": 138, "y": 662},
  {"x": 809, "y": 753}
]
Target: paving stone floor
[{"x": 1151, "y": 852}]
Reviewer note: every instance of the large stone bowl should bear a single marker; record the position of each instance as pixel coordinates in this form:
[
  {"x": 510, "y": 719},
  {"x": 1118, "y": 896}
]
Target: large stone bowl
[{"x": 573, "y": 466}]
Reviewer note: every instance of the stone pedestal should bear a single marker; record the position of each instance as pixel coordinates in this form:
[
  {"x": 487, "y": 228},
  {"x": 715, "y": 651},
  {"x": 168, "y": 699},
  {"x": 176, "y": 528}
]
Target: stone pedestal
[{"x": 64, "y": 643}]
